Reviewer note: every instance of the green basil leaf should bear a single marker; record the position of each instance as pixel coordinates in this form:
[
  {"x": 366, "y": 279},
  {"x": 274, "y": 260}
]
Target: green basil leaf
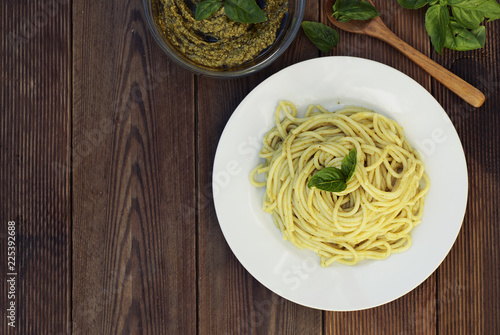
[
  {"x": 332, "y": 179},
  {"x": 346, "y": 10},
  {"x": 244, "y": 11},
  {"x": 480, "y": 34},
  {"x": 460, "y": 38},
  {"x": 349, "y": 164},
  {"x": 206, "y": 8},
  {"x": 337, "y": 5},
  {"x": 490, "y": 9},
  {"x": 466, "y": 17},
  {"x": 467, "y": 4},
  {"x": 324, "y": 37},
  {"x": 329, "y": 179},
  {"x": 469, "y": 12},
  {"x": 432, "y": 2},
  {"x": 436, "y": 24},
  {"x": 412, "y": 4}
]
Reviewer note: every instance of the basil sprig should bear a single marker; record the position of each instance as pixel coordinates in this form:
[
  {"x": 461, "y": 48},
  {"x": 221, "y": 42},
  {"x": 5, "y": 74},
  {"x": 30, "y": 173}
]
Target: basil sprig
[
  {"x": 332, "y": 179},
  {"x": 456, "y": 24},
  {"x": 346, "y": 10},
  {"x": 243, "y": 11},
  {"x": 324, "y": 37}
]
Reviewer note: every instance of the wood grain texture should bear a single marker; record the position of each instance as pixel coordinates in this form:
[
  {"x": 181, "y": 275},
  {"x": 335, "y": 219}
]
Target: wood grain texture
[
  {"x": 230, "y": 300},
  {"x": 35, "y": 102},
  {"x": 415, "y": 313},
  {"x": 469, "y": 293},
  {"x": 134, "y": 209}
]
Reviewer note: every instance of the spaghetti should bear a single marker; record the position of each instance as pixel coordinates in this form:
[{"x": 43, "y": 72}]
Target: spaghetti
[{"x": 382, "y": 203}]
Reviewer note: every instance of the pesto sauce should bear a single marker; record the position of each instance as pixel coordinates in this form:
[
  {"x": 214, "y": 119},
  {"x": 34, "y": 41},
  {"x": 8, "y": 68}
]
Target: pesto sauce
[{"x": 218, "y": 42}]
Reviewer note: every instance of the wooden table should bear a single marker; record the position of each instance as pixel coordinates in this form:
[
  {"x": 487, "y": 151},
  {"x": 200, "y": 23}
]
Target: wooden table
[{"x": 106, "y": 155}]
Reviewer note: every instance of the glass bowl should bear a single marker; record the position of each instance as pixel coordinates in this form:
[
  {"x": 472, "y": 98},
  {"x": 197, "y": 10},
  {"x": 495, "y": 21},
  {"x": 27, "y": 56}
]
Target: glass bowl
[{"x": 288, "y": 29}]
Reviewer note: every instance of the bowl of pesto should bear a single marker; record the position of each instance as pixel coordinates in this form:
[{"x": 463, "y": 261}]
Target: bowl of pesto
[{"x": 224, "y": 38}]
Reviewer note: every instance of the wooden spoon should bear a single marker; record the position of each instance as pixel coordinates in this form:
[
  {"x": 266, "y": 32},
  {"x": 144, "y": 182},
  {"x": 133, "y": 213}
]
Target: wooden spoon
[{"x": 376, "y": 28}]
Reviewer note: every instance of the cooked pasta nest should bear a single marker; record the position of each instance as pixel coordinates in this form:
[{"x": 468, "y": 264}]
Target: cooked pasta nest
[{"x": 373, "y": 217}]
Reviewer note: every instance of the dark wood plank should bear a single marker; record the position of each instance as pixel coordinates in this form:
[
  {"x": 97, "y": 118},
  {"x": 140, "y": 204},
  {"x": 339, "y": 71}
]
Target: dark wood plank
[
  {"x": 231, "y": 301},
  {"x": 134, "y": 176},
  {"x": 35, "y": 100},
  {"x": 469, "y": 278},
  {"x": 415, "y": 313},
  {"x": 417, "y": 309}
]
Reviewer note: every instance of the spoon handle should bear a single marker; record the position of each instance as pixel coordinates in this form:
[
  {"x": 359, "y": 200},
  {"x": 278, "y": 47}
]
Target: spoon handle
[{"x": 456, "y": 84}]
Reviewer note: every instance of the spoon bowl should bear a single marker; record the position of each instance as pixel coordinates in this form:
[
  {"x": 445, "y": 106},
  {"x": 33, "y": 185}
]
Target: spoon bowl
[{"x": 375, "y": 27}]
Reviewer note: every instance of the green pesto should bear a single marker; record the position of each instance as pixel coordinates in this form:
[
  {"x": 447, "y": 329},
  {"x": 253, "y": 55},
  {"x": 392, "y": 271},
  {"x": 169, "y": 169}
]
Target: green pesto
[{"x": 218, "y": 42}]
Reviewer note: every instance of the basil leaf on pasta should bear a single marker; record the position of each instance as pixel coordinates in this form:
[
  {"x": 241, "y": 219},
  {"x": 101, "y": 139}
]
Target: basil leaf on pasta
[
  {"x": 349, "y": 164},
  {"x": 330, "y": 179}
]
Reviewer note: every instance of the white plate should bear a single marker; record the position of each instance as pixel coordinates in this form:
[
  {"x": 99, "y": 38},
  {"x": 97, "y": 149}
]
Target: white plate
[{"x": 296, "y": 274}]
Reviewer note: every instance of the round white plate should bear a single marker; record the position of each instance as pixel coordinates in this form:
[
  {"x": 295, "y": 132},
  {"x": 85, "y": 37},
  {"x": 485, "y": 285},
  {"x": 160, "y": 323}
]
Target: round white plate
[{"x": 296, "y": 274}]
